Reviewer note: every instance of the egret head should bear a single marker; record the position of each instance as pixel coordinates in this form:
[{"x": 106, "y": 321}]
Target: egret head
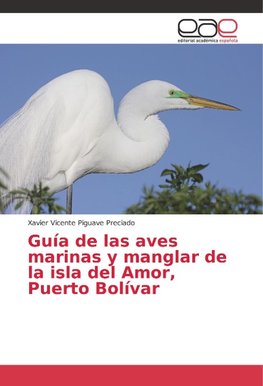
[
  {"x": 185, "y": 100},
  {"x": 156, "y": 95}
]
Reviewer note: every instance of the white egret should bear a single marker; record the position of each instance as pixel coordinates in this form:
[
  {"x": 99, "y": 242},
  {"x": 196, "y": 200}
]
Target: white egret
[{"x": 68, "y": 129}]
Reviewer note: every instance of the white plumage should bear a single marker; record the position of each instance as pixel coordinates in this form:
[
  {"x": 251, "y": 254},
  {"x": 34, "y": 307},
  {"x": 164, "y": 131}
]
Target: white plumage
[{"x": 68, "y": 129}]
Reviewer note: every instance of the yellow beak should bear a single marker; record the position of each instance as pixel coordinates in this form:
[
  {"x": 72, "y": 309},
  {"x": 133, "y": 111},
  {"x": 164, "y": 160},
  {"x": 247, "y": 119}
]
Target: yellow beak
[{"x": 202, "y": 102}]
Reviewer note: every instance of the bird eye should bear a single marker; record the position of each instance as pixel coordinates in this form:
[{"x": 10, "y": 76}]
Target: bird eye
[{"x": 172, "y": 92}]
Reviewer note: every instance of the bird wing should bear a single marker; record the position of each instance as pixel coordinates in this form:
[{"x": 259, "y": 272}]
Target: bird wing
[
  {"x": 84, "y": 114},
  {"x": 25, "y": 143},
  {"x": 56, "y": 128}
]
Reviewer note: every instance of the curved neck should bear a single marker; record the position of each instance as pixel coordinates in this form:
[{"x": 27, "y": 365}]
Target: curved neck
[{"x": 136, "y": 142}]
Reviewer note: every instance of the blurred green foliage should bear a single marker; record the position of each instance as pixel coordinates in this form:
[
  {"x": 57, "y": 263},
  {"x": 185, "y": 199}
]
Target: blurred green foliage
[{"x": 184, "y": 193}]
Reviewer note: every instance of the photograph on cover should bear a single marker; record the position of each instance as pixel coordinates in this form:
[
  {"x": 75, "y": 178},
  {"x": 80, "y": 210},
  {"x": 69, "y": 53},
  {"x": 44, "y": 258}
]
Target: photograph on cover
[{"x": 136, "y": 128}]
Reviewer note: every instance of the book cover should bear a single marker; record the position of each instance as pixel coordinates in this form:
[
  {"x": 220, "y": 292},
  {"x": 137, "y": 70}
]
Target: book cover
[{"x": 141, "y": 284}]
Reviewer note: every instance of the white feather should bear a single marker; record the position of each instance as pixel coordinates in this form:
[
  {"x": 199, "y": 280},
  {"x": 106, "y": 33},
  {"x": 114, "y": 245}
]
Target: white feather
[{"x": 68, "y": 129}]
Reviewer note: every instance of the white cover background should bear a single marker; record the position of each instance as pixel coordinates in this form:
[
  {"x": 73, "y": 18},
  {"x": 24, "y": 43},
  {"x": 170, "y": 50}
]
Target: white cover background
[
  {"x": 210, "y": 313},
  {"x": 114, "y": 28}
]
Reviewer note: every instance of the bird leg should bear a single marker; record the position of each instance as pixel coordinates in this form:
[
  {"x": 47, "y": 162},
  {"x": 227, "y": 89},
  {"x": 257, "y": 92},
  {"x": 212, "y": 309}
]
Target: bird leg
[{"x": 69, "y": 199}]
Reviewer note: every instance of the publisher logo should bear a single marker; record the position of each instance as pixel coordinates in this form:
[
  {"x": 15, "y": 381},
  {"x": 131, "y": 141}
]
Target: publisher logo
[{"x": 207, "y": 31}]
